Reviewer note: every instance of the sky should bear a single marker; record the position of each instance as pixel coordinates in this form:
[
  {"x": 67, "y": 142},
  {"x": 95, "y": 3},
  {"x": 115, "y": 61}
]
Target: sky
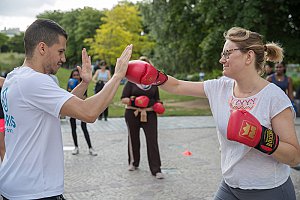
[{"x": 21, "y": 13}]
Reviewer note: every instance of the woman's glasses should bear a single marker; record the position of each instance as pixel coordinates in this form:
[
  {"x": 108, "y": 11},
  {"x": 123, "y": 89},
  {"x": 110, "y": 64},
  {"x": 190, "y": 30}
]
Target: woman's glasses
[{"x": 227, "y": 53}]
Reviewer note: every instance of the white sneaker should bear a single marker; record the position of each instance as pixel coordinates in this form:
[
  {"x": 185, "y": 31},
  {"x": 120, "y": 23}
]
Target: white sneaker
[
  {"x": 75, "y": 151},
  {"x": 92, "y": 152},
  {"x": 159, "y": 175},
  {"x": 131, "y": 168}
]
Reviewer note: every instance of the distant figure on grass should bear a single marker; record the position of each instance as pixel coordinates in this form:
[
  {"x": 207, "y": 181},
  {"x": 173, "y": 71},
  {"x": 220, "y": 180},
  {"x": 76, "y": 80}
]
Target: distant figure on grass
[
  {"x": 101, "y": 77},
  {"x": 72, "y": 83}
]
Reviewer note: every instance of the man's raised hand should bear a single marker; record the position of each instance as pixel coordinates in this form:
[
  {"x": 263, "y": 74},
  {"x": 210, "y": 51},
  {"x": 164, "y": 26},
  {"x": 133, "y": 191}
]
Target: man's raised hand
[
  {"x": 122, "y": 62},
  {"x": 85, "y": 70}
]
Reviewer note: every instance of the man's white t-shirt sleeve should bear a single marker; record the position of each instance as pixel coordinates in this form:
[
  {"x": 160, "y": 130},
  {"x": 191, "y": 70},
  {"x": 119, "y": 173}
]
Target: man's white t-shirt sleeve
[{"x": 44, "y": 94}]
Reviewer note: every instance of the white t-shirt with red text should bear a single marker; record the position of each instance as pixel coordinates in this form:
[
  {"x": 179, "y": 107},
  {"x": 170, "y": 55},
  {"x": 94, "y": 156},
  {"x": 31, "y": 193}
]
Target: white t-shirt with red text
[{"x": 242, "y": 166}]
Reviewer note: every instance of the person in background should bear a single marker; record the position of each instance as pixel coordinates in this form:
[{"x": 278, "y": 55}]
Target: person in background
[
  {"x": 101, "y": 77},
  {"x": 280, "y": 79},
  {"x": 72, "y": 83},
  {"x": 96, "y": 66},
  {"x": 268, "y": 69},
  {"x": 142, "y": 104},
  {"x": 2, "y": 125},
  {"x": 33, "y": 166},
  {"x": 254, "y": 119}
]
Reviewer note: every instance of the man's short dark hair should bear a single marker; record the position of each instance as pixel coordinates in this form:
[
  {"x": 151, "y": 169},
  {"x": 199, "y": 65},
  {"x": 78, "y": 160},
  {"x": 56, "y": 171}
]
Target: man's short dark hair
[{"x": 42, "y": 30}]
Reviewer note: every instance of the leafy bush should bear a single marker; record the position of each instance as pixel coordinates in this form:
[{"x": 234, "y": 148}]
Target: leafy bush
[
  {"x": 216, "y": 73},
  {"x": 8, "y": 61},
  {"x": 181, "y": 76},
  {"x": 296, "y": 83}
]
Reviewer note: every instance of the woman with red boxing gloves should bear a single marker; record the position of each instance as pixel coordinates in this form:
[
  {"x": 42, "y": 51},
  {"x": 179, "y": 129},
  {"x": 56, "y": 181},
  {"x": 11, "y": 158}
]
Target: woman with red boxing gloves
[
  {"x": 142, "y": 105},
  {"x": 254, "y": 119}
]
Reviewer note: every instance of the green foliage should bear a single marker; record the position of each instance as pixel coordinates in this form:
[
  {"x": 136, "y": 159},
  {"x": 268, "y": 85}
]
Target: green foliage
[
  {"x": 122, "y": 26},
  {"x": 215, "y": 73},
  {"x": 55, "y": 15},
  {"x": 3, "y": 41},
  {"x": 189, "y": 34},
  {"x": 176, "y": 28},
  {"x": 79, "y": 24},
  {"x": 8, "y": 61},
  {"x": 296, "y": 84},
  {"x": 187, "y": 77},
  {"x": 16, "y": 43},
  {"x": 181, "y": 76}
]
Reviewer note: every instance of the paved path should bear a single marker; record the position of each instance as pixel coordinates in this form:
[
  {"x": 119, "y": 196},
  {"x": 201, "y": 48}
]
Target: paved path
[{"x": 105, "y": 177}]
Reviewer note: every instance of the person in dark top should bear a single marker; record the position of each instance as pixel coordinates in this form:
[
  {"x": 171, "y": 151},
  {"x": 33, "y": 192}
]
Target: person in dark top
[
  {"x": 2, "y": 124},
  {"x": 145, "y": 118},
  {"x": 280, "y": 79},
  {"x": 72, "y": 83},
  {"x": 268, "y": 69}
]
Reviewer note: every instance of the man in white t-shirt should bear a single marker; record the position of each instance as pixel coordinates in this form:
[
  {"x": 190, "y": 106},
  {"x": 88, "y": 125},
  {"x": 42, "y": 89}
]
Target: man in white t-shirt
[{"x": 33, "y": 166}]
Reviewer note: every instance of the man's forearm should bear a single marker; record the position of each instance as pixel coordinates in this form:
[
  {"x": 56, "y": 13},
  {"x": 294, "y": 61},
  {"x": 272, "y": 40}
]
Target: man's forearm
[
  {"x": 80, "y": 90},
  {"x": 102, "y": 99}
]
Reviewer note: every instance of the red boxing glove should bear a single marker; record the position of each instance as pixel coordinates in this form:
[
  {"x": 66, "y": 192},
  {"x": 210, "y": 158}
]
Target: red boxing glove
[
  {"x": 158, "y": 108},
  {"x": 161, "y": 78},
  {"x": 243, "y": 127},
  {"x": 141, "y": 101},
  {"x": 144, "y": 73}
]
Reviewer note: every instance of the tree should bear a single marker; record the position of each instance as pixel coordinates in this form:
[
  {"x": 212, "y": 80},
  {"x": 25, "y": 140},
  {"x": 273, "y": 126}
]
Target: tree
[
  {"x": 55, "y": 15},
  {"x": 189, "y": 33},
  {"x": 176, "y": 28},
  {"x": 121, "y": 26},
  {"x": 3, "y": 42},
  {"x": 16, "y": 43},
  {"x": 88, "y": 20},
  {"x": 79, "y": 24}
]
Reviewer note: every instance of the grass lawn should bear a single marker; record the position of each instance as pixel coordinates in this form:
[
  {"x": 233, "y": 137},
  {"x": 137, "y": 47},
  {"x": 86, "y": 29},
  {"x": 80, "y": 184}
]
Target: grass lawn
[{"x": 175, "y": 104}]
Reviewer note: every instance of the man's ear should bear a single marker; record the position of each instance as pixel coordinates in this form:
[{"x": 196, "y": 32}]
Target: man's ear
[{"x": 41, "y": 48}]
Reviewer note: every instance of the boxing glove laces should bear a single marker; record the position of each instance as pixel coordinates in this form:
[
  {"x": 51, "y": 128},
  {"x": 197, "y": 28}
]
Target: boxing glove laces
[{"x": 244, "y": 128}]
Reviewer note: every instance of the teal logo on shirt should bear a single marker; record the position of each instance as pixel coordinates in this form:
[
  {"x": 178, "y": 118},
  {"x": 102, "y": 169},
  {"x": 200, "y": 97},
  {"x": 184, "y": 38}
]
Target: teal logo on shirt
[
  {"x": 10, "y": 123},
  {"x": 4, "y": 100}
]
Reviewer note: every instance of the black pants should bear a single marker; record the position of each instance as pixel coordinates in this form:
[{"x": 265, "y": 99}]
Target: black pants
[
  {"x": 58, "y": 197},
  {"x": 85, "y": 132},
  {"x": 150, "y": 128},
  {"x": 105, "y": 114},
  {"x": 98, "y": 87}
]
